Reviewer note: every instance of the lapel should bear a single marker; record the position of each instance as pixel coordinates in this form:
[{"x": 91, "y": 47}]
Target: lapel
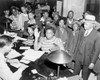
[{"x": 90, "y": 36}]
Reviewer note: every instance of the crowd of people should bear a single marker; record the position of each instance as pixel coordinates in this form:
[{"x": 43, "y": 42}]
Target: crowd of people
[{"x": 50, "y": 32}]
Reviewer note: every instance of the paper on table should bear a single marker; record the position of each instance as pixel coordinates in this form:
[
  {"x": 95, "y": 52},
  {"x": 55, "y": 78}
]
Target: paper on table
[
  {"x": 24, "y": 61},
  {"x": 34, "y": 71},
  {"x": 13, "y": 54},
  {"x": 32, "y": 55},
  {"x": 15, "y": 63},
  {"x": 64, "y": 78},
  {"x": 76, "y": 77},
  {"x": 24, "y": 47}
]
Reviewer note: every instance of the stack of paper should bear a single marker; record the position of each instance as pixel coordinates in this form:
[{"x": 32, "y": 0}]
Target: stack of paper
[{"x": 32, "y": 55}]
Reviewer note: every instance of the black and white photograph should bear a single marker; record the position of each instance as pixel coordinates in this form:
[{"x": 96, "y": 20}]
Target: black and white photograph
[{"x": 49, "y": 39}]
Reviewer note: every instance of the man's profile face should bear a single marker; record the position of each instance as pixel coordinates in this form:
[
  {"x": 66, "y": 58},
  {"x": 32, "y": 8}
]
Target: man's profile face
[{"x": 8, "y": 47}]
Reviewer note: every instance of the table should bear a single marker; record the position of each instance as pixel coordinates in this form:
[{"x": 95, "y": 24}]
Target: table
[{"x": 43, "y": 66}]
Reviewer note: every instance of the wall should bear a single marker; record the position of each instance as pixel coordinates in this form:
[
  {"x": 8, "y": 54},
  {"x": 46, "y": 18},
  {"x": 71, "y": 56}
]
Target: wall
[
  {"x": 78, "y": 6},
  {"x": 94, "y": 7}
]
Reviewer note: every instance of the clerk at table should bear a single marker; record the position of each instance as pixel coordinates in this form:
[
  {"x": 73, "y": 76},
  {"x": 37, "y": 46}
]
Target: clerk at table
[{"x": 5, "y": 72}]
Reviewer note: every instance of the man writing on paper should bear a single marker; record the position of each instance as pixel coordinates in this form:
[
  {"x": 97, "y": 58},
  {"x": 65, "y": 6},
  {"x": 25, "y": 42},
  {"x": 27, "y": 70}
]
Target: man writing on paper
[{"x": 5, "y": 73}]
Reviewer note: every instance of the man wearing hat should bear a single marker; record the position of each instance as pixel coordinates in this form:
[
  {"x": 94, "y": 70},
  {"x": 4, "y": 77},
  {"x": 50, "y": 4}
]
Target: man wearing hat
[{"x": 89, "y": 49}]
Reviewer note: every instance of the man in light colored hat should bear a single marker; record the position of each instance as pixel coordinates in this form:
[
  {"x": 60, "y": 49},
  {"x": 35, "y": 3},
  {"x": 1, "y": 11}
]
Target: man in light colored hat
[{"x": 89, "y": 49}]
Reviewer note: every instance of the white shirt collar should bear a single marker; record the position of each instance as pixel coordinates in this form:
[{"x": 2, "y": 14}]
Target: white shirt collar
[
  {"x": 24, "y": 14},
  {"x": 87, "y": 32},
  {"x": 2, "y": 57}
]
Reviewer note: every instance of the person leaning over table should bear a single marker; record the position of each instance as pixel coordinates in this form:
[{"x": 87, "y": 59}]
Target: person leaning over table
[
  {"x": 48, "y": 43},
  {"x": 6, "y": 43}
]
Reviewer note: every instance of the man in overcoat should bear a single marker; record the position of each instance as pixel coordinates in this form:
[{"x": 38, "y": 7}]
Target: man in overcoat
[{"x": 89, "y": 49}]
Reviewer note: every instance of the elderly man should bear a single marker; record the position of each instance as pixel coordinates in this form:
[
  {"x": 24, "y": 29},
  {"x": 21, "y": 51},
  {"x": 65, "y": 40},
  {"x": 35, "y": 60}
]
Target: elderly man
[{"x": 89, "y": 49}]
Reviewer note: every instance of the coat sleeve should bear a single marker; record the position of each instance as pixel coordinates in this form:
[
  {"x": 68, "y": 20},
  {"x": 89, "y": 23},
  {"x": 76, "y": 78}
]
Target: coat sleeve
[{"x": 96, "y": 50}]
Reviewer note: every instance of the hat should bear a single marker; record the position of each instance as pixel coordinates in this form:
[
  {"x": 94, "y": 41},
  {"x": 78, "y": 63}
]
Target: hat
[{"x": 90, "y": 17}]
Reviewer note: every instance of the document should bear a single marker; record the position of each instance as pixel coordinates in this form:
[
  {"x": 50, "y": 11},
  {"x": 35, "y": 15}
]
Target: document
[
  {"x": 13, "y": 54},
  {"x": 15, "y": 63},
  {"x": 32, "y": 55}
]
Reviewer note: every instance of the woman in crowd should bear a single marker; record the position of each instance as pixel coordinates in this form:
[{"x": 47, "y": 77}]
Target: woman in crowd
[
  {"x": 70, "y": 19},
  {"x": 56, "y": 18},
  {"x": 38, "y": 13},
  {"x": 44, "y": 17},
  {"x": 30, "y": 23},
  {"x": 74, "y": 41},
  {"x": 74, "y": 38},
  {"x": 38, "y": 10},
  {"x": 14, "y": 17},
  {"x": 62, "y": 33},
  {"x": 22, "y": 17},
  {"x": 48, "y": 43},
  {"x": 46, "y": 7},
  {"x": 30, "y": 36},
  {"x": 31, "y": 20},
  {"x": 4, "y": 21},
  {"x": 5, "y": 72}
]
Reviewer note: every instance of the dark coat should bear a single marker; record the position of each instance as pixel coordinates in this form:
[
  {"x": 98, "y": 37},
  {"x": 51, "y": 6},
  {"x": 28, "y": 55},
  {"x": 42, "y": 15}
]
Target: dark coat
[
  {"x": 70, "y": 36},
  {"x": 89, "y": 48},
  {"x": 25, "y": 32},
  {"x": 77, "y": 43},
  {"x": 73, "y": 43}
]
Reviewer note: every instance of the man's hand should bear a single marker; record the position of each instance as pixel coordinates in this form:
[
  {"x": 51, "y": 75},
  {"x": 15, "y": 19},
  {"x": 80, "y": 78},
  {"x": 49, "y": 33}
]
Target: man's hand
[{"x": 91, "y": 66}]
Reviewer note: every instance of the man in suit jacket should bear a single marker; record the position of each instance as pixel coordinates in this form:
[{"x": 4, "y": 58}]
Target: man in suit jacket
[{"x": 89, "y": 49}]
